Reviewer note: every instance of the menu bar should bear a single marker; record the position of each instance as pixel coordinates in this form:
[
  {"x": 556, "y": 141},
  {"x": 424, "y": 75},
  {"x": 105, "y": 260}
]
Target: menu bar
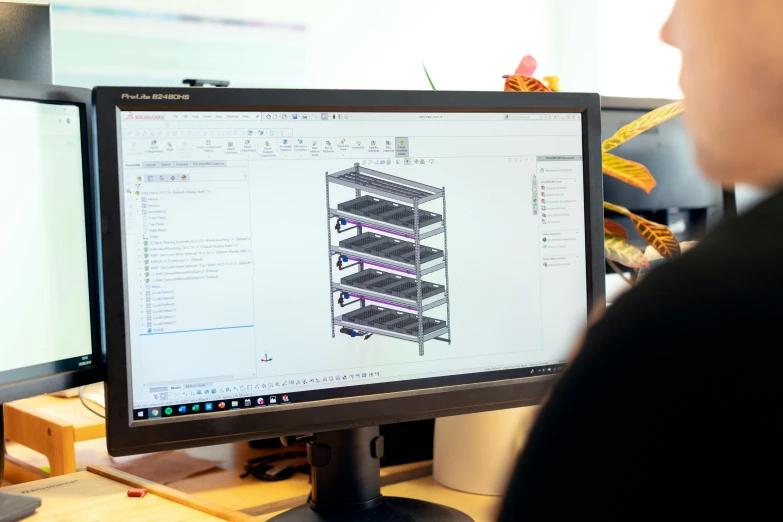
[{"x": 195, "y": 116}]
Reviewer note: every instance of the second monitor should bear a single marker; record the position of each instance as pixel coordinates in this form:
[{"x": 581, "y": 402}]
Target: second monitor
[{"x": 49, "y": 299}]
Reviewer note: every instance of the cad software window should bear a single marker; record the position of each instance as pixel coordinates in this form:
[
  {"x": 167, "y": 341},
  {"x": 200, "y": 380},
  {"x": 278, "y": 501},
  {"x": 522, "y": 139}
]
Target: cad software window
[{"x": 275, "y": 253}]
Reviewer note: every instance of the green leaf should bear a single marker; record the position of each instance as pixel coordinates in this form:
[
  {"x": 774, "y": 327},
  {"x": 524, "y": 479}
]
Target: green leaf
[
  {"x": 620, "y": 250},
  {"x": 428, "y": 77}
]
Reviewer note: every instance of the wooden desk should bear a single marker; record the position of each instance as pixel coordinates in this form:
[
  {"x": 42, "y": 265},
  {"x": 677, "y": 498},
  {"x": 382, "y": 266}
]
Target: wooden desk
[
  {"x": 264, "y": 500},
  {"x": 101, "y": 494},
  {"x": 51, "y": 426},
  {"x": 480, "y": 508},
  {"x": 87, "y": 496},
  {"x": 222, "y": 487}
]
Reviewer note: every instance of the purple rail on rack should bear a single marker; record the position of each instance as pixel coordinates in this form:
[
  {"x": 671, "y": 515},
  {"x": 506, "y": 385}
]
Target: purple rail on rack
[
  {"x": 382, "y": 266},
  {"x": 378, "y": 229}
]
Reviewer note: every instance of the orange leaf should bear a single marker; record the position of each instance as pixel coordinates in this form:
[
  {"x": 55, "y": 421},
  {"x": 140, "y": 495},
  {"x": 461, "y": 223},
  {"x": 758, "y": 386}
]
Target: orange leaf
[
  {"x": 613, "y": 228},
  {"x": 658, "y": 236},
  {"x": 619, "y": 250},
  {"x": 629, "y": 172},
  {"x": 519, "y": 83},
  {"x": 646, "y": 122}
]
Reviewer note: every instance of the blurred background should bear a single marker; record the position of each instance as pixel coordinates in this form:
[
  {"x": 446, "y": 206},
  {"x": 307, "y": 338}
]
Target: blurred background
[
  {"x": 612, "y": 47},
  {"x": 608, "y": 46}
]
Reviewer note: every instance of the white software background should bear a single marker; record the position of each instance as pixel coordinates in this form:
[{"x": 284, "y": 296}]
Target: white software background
[
  {"x": 44, "y": 304},
  {"x": 495, "y": 291}
]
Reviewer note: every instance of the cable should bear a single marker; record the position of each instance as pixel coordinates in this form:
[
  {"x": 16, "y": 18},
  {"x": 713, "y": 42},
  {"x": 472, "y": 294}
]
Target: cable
[
  {"x": 81, "y": 398},
  {"x": 291, "y": 440},
  {"x": 281, "y": 464}
]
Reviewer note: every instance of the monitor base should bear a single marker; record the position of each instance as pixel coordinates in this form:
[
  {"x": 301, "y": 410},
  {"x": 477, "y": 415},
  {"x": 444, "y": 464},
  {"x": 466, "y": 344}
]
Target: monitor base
[
  {"x": 389, "y": 509},
  {"x": 345, "y": 472}
]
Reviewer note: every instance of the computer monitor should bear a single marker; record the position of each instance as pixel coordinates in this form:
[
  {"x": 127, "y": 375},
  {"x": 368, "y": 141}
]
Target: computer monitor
[
  {"x": 683, "y": 198},
  {"x": 50, "y": 328},
  {"x": 49, "y": 301},
  {"x": 279, "y": 262}
]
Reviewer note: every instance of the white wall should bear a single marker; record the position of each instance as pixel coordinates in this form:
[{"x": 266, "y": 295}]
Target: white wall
[
  {"x": 345, "y": 44},
  {"x": 607, "y": 46},
  {"x": 632, "y": 59},
  {"x": 614, "y": 47},
  {"x": 577, "y": 30}
]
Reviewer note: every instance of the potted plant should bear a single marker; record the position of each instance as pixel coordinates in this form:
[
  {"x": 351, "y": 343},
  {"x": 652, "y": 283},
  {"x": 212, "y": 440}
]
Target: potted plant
[{"x": 617, "y": 248}]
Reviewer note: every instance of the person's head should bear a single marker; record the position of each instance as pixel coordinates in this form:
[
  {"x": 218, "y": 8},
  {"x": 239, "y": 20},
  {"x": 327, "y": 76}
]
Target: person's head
[{"x": 732, "y": 78}]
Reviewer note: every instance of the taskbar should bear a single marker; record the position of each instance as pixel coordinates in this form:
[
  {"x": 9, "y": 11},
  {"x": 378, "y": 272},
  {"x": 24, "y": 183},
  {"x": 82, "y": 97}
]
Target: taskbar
[
  {"x": 191, "y": 408},
  {"x": 265, "y": 401}
]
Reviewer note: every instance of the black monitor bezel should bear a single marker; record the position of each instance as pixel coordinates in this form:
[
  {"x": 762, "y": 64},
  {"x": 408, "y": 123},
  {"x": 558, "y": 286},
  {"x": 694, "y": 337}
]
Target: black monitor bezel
[
  {"x": 126, "y": 436},
  {"x": 50, "y": 377}
]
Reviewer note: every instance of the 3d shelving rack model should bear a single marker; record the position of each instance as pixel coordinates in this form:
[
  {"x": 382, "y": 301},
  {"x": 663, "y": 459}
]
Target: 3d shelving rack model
[{"x": 388, "y": 237}]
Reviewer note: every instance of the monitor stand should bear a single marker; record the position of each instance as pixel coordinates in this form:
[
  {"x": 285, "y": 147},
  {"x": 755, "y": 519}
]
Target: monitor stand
[
  {"x": 13, "y": 507},
  {"x": 346, "y": 484}
]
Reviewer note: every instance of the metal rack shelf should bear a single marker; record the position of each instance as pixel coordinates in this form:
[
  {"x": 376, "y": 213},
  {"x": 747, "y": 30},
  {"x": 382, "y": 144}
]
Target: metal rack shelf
[
  {"x": 338, "y": 321},
  {"x": 382, "y": 226},
  {"x": 387, "y": 247},
  {"x": 382, "y": 184},
  {"x": 391, "y": 320},
  {"x": 391, "y": 284},
  {"x": 389, "y": 212},
  {"x": 369, "y": 295},
  {"x": 384, "y": 262},
  {"x": 376, "y": 222}
]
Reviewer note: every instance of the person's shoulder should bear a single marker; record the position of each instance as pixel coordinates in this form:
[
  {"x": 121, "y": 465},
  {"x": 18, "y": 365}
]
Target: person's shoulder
[
  {"x": 730, "y": 259},
  {"x": 754, "y": 239},
  {"x": 733, "y": 275}
]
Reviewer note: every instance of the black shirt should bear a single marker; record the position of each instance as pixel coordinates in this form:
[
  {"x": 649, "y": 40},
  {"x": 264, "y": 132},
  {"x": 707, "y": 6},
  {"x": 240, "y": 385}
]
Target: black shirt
[{"x": 672, "y": 408}]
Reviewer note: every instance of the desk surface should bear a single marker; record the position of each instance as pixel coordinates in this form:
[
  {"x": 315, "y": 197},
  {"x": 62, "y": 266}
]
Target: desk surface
[
  {"x": 87, "y": 497},
  {"x": 480, "y": 508},
  {"x": 221, "y": 487}
]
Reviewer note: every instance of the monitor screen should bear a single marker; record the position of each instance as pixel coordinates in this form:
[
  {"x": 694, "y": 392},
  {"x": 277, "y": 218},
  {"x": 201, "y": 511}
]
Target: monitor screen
[
  {"x": 285, "y": 257},
  {"x": 45, "y": 314}
]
